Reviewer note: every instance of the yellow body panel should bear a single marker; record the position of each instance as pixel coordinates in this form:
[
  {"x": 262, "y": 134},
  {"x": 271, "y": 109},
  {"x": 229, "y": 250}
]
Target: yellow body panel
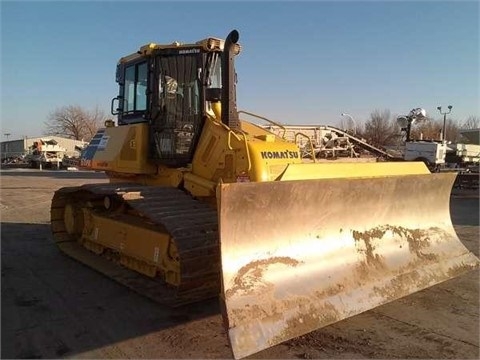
[
  {"x": 217, "y": 155},
  {"x": 253, "y": 154},
  {"x": 124, "y": 149},
  {"x": 140, "y": 247},
  {"x": 334, "y": 170},
  {"x": 270, "y": 158}
]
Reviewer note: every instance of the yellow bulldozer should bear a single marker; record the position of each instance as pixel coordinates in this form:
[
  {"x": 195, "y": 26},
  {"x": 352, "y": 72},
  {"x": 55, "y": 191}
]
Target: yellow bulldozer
[{"x": 201, "y": 204}]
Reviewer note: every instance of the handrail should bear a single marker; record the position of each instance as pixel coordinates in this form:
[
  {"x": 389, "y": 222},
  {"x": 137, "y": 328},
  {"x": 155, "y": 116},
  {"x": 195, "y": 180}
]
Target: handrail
[
  {"x": 229, "y": 144},
  {"x": 310, "y": 142},
  {"x": 264, "y": 118},
  {"x": 230, "y": 147},
  {"x": 230, "y": 132}
]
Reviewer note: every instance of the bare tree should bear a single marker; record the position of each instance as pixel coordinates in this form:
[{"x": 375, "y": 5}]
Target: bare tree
[
  {"x": 452, "y": 132},
  {"x": 431, "y": 129},
  {"x": 342, "y": 124},
  {"x": 380, "y": 130},
  {"x": 74, "y": 122},
  {"x": 472, "y": 122},
  {"x": 348, "y": 125},
  {"x": 428, "y": 129}
]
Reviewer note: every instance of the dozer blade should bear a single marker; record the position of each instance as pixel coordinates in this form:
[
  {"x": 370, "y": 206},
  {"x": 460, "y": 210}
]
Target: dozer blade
[{"x": 300, "y": 255}]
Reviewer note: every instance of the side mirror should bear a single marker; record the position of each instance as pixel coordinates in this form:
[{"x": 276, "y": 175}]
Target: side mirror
[{"x": 117, "y": 110}]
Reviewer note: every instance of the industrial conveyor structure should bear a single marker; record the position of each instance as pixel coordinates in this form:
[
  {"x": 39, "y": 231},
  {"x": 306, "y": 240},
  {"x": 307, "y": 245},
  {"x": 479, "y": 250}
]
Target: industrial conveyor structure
[{"x": 320, "y": 141}]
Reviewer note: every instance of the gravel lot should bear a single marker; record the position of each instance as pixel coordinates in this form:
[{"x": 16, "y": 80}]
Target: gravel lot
[{"x": 54, "y": 307}]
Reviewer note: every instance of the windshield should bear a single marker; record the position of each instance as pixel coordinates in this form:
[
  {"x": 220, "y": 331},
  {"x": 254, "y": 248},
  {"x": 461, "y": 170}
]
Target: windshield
[{"x": 179, "y": 107}]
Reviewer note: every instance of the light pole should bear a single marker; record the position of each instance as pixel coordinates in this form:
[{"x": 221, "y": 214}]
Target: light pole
[
  {"x": 444, "y": 119},
  {"x": 7, "y": 135},
  {"x": 353, "y": 121}
]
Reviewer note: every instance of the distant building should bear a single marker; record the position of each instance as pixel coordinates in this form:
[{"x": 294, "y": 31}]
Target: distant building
[
  {"x": 472, "y": 135},
  {"x": 19, "y": 147}
]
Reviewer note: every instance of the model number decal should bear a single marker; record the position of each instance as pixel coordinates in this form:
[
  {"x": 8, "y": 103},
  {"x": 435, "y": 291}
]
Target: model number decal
[{"x": 86, "y": 162}]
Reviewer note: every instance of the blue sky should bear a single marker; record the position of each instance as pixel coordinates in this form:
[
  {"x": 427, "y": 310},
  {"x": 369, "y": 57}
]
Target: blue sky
[{"x": 302, "y": 62}]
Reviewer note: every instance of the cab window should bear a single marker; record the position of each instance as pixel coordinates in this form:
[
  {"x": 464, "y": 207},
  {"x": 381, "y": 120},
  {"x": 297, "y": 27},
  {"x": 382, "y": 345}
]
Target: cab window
[{"x": 135, "y": 88}]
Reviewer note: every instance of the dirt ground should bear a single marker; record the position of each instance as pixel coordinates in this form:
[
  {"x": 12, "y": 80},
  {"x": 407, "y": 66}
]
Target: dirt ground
[{"x": 54, "y": 307}]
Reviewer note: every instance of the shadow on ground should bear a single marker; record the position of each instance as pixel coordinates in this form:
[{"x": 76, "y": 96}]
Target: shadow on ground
[
  {"x": 46, "y": 314},
  {"x": 465, "y": 211},
  {"x": 55, "y": 174}
]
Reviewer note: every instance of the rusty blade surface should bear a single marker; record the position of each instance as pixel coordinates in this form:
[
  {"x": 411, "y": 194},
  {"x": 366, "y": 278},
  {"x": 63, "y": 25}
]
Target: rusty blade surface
[{"x": 300, "y": 255}]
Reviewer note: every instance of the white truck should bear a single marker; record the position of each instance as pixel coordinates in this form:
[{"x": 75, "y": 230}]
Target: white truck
[
  {"x": 436, "y": 154},
  {"x": 466, "y": 154},
  {"x": 431, "y": 153},
  {"x": 46, "y": 153}
]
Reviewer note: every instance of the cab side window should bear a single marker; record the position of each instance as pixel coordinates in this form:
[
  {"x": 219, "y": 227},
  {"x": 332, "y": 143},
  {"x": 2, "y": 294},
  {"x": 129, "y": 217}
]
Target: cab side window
[{"x": 135, "y": 88}]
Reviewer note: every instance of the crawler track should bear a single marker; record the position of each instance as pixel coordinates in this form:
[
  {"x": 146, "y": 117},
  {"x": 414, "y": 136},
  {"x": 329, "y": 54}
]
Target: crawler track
[{"x": 192, "y": 224}]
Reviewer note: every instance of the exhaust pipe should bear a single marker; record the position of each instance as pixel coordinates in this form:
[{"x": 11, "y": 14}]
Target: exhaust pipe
[{"x": 229, "y": 102}]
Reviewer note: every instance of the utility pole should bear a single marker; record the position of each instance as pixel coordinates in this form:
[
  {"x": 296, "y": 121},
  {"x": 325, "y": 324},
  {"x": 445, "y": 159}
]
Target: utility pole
[{"x": 443, "y": 137}]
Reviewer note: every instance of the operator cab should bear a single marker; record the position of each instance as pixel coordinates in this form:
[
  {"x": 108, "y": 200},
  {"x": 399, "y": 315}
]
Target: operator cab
[{"x": 165, "y": 86}]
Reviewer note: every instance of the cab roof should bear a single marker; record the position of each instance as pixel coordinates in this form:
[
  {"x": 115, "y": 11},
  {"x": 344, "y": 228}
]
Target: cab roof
[{"x": 210, "y": 44}]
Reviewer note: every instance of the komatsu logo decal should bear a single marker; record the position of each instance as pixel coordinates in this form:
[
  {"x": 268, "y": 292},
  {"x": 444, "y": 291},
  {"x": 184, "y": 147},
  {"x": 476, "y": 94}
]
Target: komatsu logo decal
[
  {"x": 280, "y": 154},
  {"x": 188, "y": 51}
]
